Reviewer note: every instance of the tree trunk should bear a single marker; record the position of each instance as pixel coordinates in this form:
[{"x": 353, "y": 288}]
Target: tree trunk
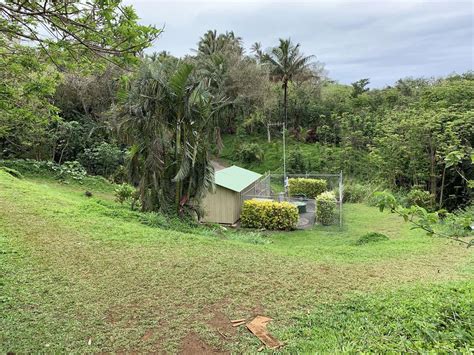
[
  {"x": 442, "y": 188},
  {"x": 268, "y": 134},
  {"x": 193, "y": 163},
  {"x": 177, "y": 152},
  {"x": 432, "y": 168},
  {"x": 62, "y": 153}
]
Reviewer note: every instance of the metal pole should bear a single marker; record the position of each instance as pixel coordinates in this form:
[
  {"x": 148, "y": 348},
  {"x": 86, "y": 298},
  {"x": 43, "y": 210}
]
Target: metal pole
[{"x": 284, "y": 158}]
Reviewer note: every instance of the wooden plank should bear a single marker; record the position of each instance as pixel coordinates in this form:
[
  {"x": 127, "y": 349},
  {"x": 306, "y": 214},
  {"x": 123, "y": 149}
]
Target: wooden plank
[
  {"x": 238, "y": 320},
  {"x": 238, "y": 324},
  {"x": 258, "y": 326}
]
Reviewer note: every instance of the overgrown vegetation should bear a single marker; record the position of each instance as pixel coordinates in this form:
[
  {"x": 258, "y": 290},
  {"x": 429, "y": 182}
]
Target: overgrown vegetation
[
  {"x": 451, "y": 226},
  {"x": 250, "y": 152}
]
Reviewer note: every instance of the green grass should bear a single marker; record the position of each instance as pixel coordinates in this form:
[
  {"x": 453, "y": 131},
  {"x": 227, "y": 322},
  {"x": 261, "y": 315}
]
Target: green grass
[
  {"x": 88, "y": 275},
  {"x": 437, "y": 318}
]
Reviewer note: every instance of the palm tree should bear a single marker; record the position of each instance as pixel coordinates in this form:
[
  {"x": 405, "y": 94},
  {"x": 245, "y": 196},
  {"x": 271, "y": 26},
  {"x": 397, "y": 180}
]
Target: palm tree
[
  {"x": 256, "y": 48},
  {"x": 285, "y": 62},
  {"x": 169, "y": 119},
  {"x": 211, "y": 43}
]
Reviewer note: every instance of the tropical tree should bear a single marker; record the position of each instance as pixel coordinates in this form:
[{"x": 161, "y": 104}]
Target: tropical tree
[
  {"x": 256, "y": 49},
  {"x": 26, "y": 111},
  {"x": 286, "y": 61},
  {"x": 221, "y": 63},
  {"x": 360, "y": 86},
  {"x": 169, "y": 120},
  {"x": 211, "y": 43}
]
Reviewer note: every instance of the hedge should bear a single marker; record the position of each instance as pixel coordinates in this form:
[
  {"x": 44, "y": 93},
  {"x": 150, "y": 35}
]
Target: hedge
[
  {"x": 308, "y": 187},
  {"x": 326, "y": 208},
  {"x": 269, "y": 215}
]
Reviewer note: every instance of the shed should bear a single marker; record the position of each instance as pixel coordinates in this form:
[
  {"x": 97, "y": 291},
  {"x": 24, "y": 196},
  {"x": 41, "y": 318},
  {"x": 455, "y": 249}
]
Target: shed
[{"x": 224, "y": 205}]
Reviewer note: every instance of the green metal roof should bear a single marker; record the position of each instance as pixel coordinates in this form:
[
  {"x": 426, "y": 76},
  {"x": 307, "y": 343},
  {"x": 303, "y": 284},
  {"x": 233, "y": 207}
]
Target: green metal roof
[{"x": 235, "y": 178}]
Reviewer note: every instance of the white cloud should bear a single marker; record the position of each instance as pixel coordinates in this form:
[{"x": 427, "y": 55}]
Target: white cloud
[{"x": 382, "y": 40}]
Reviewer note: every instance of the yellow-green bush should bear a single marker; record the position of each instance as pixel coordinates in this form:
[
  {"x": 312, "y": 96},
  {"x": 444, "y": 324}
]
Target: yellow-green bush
[
  {"x": 326, "y": 208},
  {"x": 269, "y": 215},
  {"x": 307, "y": 187}
]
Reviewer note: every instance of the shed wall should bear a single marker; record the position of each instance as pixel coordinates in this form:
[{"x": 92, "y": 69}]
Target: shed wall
[{"x": 223, "y": 206}]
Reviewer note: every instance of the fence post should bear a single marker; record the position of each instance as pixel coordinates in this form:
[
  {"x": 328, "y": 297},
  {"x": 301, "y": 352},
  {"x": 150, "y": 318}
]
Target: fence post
[{"x": 316, "y": 210}]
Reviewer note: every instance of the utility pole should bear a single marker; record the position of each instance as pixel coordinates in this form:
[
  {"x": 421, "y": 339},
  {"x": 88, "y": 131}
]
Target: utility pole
[{"x": 282, "y": 124}]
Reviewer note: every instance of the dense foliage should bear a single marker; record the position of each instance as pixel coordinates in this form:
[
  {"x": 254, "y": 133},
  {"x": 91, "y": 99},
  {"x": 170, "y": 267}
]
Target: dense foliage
[
  {"x": 76, "y": 30},
  {"x": 155, "y": 121},
  {"x": 168, "y": 119},
  {"x": 250, "y": 152}
]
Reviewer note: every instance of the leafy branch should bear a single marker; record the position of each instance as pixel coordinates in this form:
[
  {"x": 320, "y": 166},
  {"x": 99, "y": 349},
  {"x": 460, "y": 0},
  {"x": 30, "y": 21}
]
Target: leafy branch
[
  {"x": 107, "y": 29},
  {"x": 456, "y": 228}
]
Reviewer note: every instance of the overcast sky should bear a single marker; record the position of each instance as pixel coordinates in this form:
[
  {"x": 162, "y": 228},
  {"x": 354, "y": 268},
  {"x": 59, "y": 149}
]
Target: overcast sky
[{"x": 380, "y": 40}]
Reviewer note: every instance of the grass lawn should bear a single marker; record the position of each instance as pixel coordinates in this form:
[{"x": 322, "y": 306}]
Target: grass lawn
[{"x": 86, "y": 275}]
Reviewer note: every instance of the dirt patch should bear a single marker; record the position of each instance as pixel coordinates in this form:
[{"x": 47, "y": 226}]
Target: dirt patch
[
  {"x": 192, "y": 344},
  {"x": 148, "y": 335},
  {"x": 222, "y": 324}
]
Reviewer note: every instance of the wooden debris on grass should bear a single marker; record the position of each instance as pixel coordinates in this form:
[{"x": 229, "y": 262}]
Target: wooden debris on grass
[
  {"x": 238, "y": 322},
  {"x": 258, "y": 326},
  {"x": 222, "y": 334}
]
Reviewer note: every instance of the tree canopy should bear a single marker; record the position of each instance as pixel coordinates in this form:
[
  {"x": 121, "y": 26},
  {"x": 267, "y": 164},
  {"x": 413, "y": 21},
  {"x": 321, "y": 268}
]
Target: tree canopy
[{"x": 75, "y": 29}]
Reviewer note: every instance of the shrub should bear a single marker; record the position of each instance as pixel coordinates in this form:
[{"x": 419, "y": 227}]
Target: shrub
[
  {"x": 154, "y": 219},
  {"x": 371, "y": 237},
  {"x": 308, "y": 187},
  {"x": 102, "y": 159},
  {"x": 356, "y": 193},
  {"x": 123, "y": 193},
  {"x": 70, "y": 169},
  {"x": 269, "y": 215},
  {"x": 296, "y": 163},
  {"x": 326, "y": 208},
  {"x": 250, "y": 152},
  {"x": 420, "y": 198},
  {"x": 12, "y": 172},
  {"x": 69, "y": 172},
  {"x": 119, "y": 175}
]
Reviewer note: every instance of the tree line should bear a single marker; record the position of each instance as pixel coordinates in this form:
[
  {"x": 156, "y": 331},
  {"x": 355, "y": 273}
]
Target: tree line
[{"x": 88, "y": 93}]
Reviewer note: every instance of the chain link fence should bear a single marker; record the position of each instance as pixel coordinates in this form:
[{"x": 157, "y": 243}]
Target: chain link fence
[{"x": 272, "y": 187}]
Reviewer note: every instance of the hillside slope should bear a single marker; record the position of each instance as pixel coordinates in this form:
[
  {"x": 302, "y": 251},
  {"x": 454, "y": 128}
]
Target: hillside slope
[{"x": 84, "y": 274}]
